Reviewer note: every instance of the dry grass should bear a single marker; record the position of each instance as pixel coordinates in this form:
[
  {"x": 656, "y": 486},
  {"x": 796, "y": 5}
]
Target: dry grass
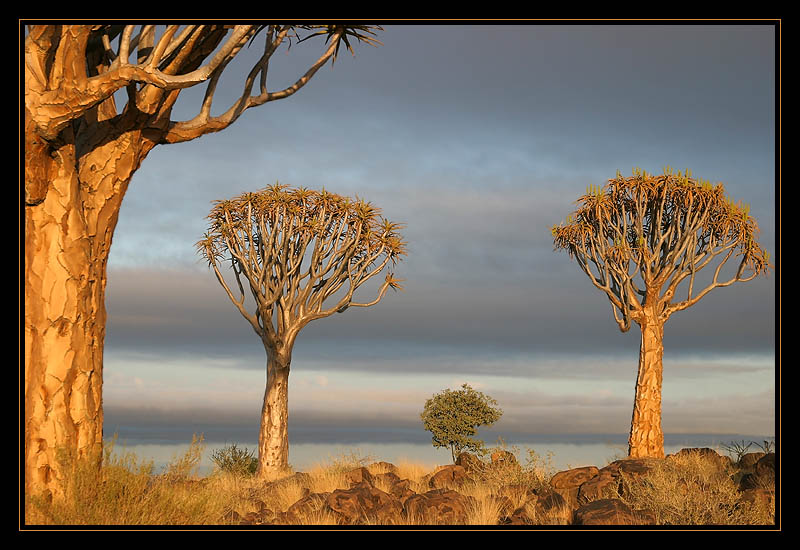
[
  {"x": 693, "y": 490},
  {"x": 125, "y": 492},
  {"x": 685, "y": 490}
]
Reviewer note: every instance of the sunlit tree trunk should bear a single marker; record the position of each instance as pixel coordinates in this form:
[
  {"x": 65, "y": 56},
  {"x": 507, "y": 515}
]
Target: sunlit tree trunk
[
  {"x": 273, "y": 439},
  {"x": 73, "y": 197},
  {"x": 646, "y": 438}
]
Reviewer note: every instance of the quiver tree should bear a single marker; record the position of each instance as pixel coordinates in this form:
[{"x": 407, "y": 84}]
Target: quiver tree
[
  {"x": 301, "y": 255},
  {"x": 641, "y": 238},
  {"x": 83, "y": 142}
]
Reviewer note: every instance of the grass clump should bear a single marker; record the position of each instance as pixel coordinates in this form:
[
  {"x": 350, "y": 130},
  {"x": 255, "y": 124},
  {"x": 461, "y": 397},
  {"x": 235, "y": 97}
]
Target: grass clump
[
  {"x": 236, "y": 461},
  {"x": 692, "y": 489},
  {"x": 121, "y": 489}
]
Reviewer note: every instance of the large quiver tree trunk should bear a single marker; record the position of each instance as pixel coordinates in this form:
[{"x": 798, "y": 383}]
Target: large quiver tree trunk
[
  {"x": 73, "y": 193},
  {"x": 273, "y": 439},
  {"x": 646, "y": 437}
]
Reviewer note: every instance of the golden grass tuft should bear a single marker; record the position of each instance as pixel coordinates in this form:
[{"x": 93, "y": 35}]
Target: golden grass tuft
[{"x": 691, "y": 489}]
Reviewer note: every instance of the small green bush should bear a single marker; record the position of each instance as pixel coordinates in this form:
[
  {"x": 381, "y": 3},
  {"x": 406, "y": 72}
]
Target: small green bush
[
  {"x": 236, "y": 461},
  {"x": 453, "y": 416}
]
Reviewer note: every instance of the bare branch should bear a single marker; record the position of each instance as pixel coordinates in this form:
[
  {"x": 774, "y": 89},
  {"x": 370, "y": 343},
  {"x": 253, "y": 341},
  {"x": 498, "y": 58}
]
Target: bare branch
[{"x": 203, "y": 124}]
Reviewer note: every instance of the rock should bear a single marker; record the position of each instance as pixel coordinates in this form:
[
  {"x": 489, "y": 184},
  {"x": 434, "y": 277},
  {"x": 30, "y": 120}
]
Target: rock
[
  {"x": 304, "y": 507},
  {"x": 749, "y": 460},
  {"x": 632, "y": 467},
  {"x": 503, "y": 457},
  {"x": 448, "y": 477},
  {"x": 567, "y": 482},
  {"x": 230, "y": 517},
  {"x": 762, "y": 475},
  {"x": 364, "y": 501},
  {"x": 706, "y": 453},
  {"x": 748, "y": 481},
  {"x": 601, "y": 486},
  {"x": 383, "y": 467},
  {"x": 402, "y": 490},
  {"x": 358, "y": 475},
  {"x": 552, "y": 509},
  {"x": 629, "y": 469},
  {"x": 438, "y": 507},
  {"x": 261, "y": 516},
  {"x": 765, "y": 468},
  {"x": 388, "y": 479},
  {"x": 517, "y": 492},
  {"x": 518, "y": 517},
  {"x": 469, "y": 462},
  {"x": 608, "y": 511}
]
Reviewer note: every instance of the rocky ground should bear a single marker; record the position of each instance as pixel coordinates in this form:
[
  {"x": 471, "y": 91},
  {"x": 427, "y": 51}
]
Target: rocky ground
[{"x": 580, "y": 496}]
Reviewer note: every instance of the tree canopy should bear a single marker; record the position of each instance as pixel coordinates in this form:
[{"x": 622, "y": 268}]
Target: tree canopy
[
  {"x": 638, "y": 235},
  {"x": 453, "y": 416},
  {"x": 296, "y": 248}
]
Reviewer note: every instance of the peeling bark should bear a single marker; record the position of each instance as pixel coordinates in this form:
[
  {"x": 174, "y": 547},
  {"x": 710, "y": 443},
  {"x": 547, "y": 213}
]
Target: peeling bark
[
  {"x": 646, "y": 438},
  {"x": 68, "y": 233},
  {"x": 273, "y": 437}
]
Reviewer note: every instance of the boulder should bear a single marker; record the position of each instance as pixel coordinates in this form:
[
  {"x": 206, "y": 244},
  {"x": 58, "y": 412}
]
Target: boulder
[
  {"x": 262, "y": 516},
  {"x": 631, "y": 467},
  {"x": 383, "y": 467},
  {"x": 567, "y": 482},
  {"x": 501, "y": 456},
  {"x": 628, "y": 469},
  {"x": 448, "y": 477},
  {"x": 402, "y": 490},
  {"x": 438, "y": 507},
  {"x": 387, "y": 478},
  {"x": 358, "y": 475},
  {"x": 364, "y": 502},
  {"x": 517, "y": 492},
  {"x": 469, "y": 462},
  {"x": 749, "y": 481},
  {"x": 765, "y": 468},
  {"x": 749, "y": 460},
  {"x": 706, "y": 453},
  {"x": 602, "y": 485},
  {"x": 551, "y": 509},
  {"x": 230, "y": 517},
  {"x": 607, "y": 511},
  {"x": 518, "y": 517},
  {"x": 307, "y": 505},
  {"x": 762, "y": 475}
]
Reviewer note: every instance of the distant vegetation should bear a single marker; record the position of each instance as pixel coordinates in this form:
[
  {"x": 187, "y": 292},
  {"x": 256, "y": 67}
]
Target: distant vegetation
[{"x": 453, "y": 416}]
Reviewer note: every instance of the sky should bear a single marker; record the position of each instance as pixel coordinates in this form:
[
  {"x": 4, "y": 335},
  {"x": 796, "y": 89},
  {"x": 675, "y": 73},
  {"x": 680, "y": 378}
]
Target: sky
[{"x": 478, "y": 138}]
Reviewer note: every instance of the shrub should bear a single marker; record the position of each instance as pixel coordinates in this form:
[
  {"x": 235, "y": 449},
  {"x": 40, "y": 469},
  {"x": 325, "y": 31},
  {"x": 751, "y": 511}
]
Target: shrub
[
  {"x": 452, "y": 416},
  {"x": 235, "y": 461}
]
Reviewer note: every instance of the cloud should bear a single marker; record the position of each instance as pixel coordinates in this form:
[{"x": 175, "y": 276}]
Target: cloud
[
  {"x": 525, "y": 417},
  {"x": 472, "y": 328}
]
